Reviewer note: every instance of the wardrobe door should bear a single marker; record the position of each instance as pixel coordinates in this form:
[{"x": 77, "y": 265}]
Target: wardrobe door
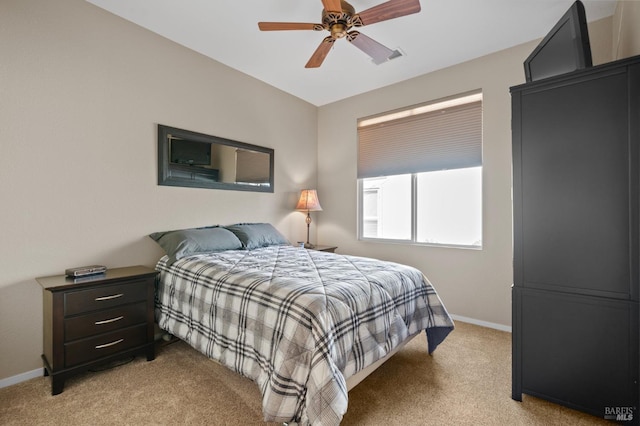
[
  {"x": 575, "y": 187},
  {"x": 576, "y": 350}
]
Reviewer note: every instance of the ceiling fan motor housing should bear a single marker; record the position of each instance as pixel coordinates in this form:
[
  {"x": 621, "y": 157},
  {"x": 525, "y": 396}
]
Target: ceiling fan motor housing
[{"x": 339, "y": 22}]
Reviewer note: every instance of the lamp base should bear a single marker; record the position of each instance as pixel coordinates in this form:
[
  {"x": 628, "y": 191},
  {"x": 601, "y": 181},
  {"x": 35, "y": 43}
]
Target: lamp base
[{"x": 308, "y": 245}]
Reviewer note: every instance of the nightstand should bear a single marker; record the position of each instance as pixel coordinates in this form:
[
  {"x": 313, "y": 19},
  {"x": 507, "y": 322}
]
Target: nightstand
[
  {"x": 96, "y": 319},
  {"x": 330, "y": 249}
]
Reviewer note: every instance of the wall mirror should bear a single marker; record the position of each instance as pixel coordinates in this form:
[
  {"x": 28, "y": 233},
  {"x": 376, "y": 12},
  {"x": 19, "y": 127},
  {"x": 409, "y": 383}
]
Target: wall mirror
[{"x": 197, "y": 160}]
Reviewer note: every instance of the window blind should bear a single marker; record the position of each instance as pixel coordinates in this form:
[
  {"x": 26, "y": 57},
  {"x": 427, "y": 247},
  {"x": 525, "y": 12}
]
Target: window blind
[{"x": 449, "y": 138}]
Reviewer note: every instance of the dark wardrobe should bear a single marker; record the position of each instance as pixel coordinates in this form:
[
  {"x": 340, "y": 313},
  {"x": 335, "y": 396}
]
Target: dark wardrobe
[{"x": 576, "y": 206}]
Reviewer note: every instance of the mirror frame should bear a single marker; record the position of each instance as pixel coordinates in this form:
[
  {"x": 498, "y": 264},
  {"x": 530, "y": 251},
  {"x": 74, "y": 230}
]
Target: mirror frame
[{"x": 165, "y": 176}]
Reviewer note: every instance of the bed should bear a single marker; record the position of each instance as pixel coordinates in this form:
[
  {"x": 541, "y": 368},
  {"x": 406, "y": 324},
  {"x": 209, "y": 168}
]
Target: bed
[{"x": 300, "y": 323}]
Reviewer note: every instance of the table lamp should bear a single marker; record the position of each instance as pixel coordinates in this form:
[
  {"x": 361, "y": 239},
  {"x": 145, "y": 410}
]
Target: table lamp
[{"x": 308, "y": 202}]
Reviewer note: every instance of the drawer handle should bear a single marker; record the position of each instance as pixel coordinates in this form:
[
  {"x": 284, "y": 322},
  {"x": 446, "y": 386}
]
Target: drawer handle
[
  {"x": 113, "y": 296},
  {"x": 106, "y": 345},
  {"x": 109, "y": 320}
]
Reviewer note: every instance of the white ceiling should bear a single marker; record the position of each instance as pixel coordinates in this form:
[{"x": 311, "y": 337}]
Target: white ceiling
[{"x": 443, "y": 33}]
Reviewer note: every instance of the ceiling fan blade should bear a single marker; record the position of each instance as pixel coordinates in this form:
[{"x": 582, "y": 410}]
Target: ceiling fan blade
[
  {"x": 279, "y": 26},
  {"x": 321, "y": 52},
  {"x": 389, "y": 10},
  {"x": 378, "y": 52},
  {"x": 332, "y": 5}
]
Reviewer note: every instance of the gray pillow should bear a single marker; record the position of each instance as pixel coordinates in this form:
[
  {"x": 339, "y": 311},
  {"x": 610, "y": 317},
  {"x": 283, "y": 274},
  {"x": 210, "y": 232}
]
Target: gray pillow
[
  {"x": 254, "y": 235},
  {"x": 185, "y": 242}
]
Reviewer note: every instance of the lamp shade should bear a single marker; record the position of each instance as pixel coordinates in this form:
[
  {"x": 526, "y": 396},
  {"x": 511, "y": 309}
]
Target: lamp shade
[{"x": 309, "y": 201}]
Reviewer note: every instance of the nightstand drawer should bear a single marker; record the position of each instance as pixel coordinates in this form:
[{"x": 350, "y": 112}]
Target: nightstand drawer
[
  {"x": 105, "y": 344},
  {"x": 105, "y": 296},
  {"x": 104, "y": 321}
]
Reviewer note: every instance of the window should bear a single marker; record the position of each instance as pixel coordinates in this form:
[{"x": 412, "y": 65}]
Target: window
[{"x": 420, "y": 174}]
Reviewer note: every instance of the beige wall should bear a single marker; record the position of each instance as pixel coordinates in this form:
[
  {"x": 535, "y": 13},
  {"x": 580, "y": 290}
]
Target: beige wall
[
  {"x": 472, "y": 283},
  {"x": 626, "y": 31},
  {"x": 81, "y": 92}
]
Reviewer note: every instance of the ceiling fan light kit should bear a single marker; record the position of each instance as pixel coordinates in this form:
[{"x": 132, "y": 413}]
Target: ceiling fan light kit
[{"x": 339, "y": 17}]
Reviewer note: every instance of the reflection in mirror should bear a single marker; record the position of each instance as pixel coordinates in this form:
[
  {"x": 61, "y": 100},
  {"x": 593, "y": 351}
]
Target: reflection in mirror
[{"x": 192, "y": 159}]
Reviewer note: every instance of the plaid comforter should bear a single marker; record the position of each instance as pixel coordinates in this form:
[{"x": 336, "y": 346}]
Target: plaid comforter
[{"x": 296, "y": 321}]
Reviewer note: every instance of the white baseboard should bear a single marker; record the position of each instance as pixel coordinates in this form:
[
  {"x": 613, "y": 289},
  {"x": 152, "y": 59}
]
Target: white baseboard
[
  {"x": 22, "y": 377},
  {"x": 481, "y": 323}
]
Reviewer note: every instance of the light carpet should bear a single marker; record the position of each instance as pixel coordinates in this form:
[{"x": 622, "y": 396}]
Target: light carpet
[{"x": 467, "y": 381}]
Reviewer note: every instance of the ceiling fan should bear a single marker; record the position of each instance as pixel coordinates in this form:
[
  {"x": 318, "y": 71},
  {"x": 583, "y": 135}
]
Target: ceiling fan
[{"x": 338, "y": 17}]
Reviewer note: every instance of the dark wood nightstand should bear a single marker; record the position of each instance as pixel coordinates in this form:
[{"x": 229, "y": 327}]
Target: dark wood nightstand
[
  {"x": 96, "y": 319},
  {"x": 330, "y": 249}
]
